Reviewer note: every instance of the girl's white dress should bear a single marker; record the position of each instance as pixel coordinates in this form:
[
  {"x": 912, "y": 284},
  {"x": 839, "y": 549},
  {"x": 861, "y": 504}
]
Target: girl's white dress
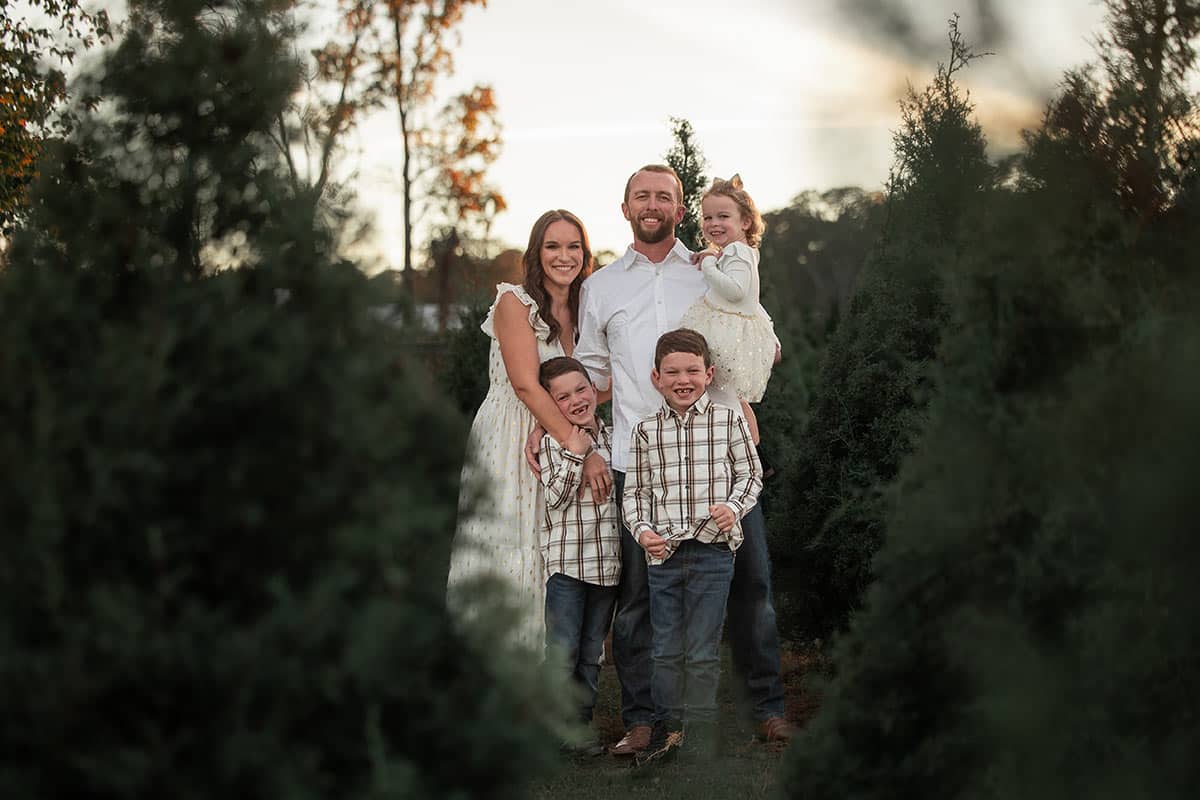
[
  {"x": 500, "y": 536},
  {"x": 740, "y": 334}
]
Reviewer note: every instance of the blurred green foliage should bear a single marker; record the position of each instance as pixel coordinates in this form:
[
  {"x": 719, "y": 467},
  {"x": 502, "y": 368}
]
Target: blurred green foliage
[
  {"x": 229, "y": 487},
  {"x": 462, "y": 360},
  {"x": 1032, "y": 625}
]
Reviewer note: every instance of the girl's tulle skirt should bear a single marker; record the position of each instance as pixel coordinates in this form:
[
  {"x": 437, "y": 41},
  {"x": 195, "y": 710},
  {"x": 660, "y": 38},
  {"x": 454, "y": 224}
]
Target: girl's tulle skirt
[{"x": 743, "y": 347}]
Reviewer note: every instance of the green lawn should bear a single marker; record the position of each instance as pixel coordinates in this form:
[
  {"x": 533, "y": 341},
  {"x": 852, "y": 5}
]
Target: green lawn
[{"x": 747, "y": 769}]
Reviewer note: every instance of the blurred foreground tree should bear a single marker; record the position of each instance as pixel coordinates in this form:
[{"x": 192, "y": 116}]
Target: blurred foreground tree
[
  {"x": 229, "y": 488},
  {"x": 1033, "y": 624},
  {"x": 686, "y": 158},
  {"x": 37, "y": 37}
]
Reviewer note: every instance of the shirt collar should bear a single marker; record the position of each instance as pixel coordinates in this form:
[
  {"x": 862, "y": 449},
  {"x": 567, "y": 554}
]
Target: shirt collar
[
  {"x": 679, "y": 251},
  {"x": 701, "y": 406}
]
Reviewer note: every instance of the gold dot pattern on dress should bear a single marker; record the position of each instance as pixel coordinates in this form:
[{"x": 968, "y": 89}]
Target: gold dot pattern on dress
[
  {"x": 742, "y": 347},
  {"x": 501, "y": 537}
]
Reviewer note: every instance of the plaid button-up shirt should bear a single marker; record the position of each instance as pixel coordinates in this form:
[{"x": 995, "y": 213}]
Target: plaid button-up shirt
[
  {"x": 684, "y": 463},
  {"x": 580, "y": 538}
]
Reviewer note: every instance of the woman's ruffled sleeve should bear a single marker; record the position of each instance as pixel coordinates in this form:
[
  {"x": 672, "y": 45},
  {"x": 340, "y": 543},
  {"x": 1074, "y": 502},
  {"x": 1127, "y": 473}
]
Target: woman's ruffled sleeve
[{"x": 540, "y": 328}]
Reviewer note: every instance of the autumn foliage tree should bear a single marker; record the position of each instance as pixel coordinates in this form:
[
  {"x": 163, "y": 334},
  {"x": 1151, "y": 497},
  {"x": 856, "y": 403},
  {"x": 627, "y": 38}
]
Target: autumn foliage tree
[
  {"x": 393, "y": 53},
  {"x": 37, "y": 40}
]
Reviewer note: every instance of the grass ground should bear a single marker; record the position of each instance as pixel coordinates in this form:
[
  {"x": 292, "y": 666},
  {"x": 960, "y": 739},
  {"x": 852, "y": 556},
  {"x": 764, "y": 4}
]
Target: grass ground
[{"x": 746, "y": 770}]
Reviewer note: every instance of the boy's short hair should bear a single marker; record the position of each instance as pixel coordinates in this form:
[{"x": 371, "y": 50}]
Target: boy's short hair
[
  {"x": 557, "y": 366},
  {"x": 682, "y": 340}
]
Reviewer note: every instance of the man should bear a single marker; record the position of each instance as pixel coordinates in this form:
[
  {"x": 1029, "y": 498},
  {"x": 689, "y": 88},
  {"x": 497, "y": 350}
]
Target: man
[{"x": 624, "y": 308}]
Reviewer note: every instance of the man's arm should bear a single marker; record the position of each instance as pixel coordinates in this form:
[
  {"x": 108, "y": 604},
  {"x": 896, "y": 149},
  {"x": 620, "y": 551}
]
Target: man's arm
[
  {"x": 592, "y": 349},
  {"x": 637, "y": 504},
  {"x": 746, "y": 468}
]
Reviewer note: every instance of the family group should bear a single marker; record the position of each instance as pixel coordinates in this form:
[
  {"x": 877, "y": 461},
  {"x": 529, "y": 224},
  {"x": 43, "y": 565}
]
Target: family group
[{"x": 650, "y": 528}]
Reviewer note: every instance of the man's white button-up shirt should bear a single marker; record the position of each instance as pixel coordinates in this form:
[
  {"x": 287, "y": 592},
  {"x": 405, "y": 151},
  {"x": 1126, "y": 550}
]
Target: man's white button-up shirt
[{"x": 624, "y": 308}]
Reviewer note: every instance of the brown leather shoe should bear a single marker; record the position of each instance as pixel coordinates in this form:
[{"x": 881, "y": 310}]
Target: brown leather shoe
[
  {"x": 776, "y": 729},
  {"x": 635, "y": 739}
]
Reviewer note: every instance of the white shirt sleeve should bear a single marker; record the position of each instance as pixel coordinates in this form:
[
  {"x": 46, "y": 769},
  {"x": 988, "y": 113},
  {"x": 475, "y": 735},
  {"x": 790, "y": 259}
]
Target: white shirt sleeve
[{"x": 592, "y": 349}]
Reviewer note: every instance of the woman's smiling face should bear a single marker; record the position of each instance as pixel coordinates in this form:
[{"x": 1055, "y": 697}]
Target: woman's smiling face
[{"x": 562, "y": 254}]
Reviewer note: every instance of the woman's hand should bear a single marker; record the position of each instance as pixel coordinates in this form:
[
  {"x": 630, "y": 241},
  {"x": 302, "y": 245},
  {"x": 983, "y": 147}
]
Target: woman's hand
[
  {"x": 533, "y": 446},
  {"x": 596, "y": 477}
]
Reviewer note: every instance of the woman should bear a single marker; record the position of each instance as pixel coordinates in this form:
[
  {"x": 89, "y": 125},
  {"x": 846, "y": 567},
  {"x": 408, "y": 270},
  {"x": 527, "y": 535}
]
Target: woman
[{"x": 528, "y": 324}]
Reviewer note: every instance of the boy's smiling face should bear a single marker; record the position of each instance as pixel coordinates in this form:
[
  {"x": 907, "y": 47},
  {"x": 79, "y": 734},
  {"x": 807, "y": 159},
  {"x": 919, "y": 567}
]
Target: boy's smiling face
[
  {"x": 681, "y": 378},
  {"x": 575, "y": 397}
]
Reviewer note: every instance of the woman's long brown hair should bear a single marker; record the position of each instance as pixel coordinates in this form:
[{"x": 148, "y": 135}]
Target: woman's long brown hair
[{"x": 534, "y": 274}]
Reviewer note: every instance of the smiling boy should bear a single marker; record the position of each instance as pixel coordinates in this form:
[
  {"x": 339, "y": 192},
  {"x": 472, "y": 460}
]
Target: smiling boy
[
  {"x": 694, "y": 474},
  {"x": 581, "y": 544}
]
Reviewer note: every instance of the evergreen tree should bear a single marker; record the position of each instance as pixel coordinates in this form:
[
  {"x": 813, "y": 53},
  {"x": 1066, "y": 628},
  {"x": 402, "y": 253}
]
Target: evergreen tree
[
  {"x": 230, "y": 489},
  {"x": 686, "y": 158},
  {"x": 874, "y": 381},
  {"x": 810, "y": 265},
  {"x": 1033, "y": 623}
]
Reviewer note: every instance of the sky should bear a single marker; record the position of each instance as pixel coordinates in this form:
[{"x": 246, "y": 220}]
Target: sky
[{"x": 791, "y": 94}]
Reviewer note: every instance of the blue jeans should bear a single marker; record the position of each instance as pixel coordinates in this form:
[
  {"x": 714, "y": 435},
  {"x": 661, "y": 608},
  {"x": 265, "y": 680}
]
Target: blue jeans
[
  {"x": 687, "y": 607},
  {"x": 753, "y": 635},
  {"x": 577, "y": 619},
  {"x": 631, "y": 627}
]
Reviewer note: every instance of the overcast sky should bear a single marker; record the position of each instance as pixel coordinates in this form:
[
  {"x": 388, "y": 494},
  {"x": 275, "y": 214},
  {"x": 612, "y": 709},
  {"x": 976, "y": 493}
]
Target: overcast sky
[{"x": 792, "y": 94}]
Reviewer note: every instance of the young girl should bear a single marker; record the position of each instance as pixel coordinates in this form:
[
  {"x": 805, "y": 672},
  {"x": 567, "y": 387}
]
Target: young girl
[{"x": 740, "y": 334}]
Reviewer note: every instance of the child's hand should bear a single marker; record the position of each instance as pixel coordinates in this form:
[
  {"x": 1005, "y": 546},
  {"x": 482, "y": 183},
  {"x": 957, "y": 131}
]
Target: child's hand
[
  {"x": 578, "y": 442},
  {"x": 653, "y": 544},
  {"x": 701, "y": 255},
  {"x": 723, "y": 516}
]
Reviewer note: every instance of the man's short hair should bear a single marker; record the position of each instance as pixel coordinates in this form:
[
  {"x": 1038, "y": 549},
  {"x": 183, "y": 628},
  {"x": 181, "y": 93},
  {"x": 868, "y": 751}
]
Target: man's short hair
[
  {"x": 560, "y": 365},
  {"x": 682, "y": 340},
  {"x": 663, "y": 168}
]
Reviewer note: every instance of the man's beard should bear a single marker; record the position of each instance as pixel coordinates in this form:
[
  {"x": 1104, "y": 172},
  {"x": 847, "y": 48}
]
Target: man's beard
[{"x": 665, "y": 230}]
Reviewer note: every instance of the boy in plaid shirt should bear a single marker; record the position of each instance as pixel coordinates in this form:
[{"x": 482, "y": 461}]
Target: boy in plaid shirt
[
  {"x": 694, "y": 473},
  {"x": 581, "y": 544}
]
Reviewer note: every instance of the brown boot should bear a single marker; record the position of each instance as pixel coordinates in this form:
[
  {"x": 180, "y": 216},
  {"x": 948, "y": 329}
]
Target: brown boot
[
  {"x": 776, "y": 729},
  {"x": 635, "y": 739},
  {"x": 665, "y": 739}
]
